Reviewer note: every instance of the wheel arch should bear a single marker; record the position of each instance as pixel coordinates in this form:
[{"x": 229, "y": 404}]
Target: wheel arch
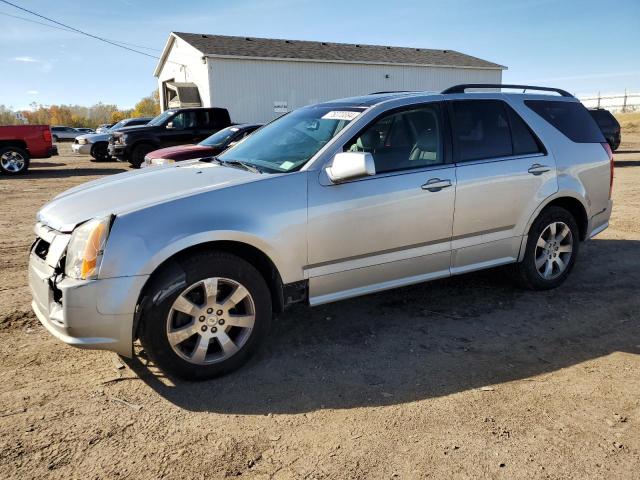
[
  {"x": 171, "y": 269},
  {"x": 570, "y": 202},
  {"x": 14, "y": 143}
]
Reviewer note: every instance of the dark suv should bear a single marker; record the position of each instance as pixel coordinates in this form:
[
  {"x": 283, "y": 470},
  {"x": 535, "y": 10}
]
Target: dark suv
[
  {"x": 609, "y": 126},
  {"x": 172, "y": 127}
]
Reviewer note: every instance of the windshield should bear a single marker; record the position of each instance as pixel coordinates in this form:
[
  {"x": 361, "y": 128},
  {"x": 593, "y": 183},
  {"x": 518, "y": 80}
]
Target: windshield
[
  {"x": 160, "y": 119},
  {"x": 220, "y": 139},
  {"x": 121, "y": 123},
  {"x": 287, "y": 143}
]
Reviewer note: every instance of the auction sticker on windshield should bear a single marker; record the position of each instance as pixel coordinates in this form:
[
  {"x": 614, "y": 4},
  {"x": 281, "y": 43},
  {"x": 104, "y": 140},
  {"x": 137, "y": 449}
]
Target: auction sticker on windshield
[{"x": 340, "y": 115}]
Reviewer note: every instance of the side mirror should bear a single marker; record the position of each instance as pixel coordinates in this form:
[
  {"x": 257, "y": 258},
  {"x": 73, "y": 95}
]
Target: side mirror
[{"x": 351, "y": 165}]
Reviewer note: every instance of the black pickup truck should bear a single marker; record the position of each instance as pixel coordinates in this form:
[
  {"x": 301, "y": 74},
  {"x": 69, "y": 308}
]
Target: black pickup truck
[{"x": 172, "y": 127}]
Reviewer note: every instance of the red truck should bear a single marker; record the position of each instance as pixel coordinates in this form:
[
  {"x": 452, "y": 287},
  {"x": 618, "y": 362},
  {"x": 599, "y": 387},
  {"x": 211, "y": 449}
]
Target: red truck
[{"x": 21, "y": 143}]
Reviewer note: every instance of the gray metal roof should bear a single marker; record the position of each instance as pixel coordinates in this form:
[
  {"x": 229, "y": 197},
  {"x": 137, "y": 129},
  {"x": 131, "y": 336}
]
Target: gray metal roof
[{"x": 329, "y": 52}]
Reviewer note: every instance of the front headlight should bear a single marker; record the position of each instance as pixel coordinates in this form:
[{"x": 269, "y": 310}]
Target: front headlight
[
  {"x": 82, "y": 141},
  {"x": 85, "y": 249},
  {"x": 162, "y": 161}
]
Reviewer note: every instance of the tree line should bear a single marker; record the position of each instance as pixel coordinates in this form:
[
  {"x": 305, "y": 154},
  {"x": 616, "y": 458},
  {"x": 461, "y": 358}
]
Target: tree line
[{"x": 78, "y": 115}]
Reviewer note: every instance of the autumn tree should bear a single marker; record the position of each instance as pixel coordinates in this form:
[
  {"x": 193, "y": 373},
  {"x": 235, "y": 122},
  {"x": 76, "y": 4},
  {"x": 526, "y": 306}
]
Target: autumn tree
[{"x": 148, "y": 106}]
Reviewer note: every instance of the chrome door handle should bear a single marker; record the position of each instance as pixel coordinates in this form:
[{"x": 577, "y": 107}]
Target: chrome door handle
[
  {"x": 436, "y": 184},
  {"x": 537, "y": 169}
]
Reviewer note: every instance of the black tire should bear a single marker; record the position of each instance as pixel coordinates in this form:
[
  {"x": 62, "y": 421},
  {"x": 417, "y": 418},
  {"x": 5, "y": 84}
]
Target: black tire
[
  {"x": 155, "y": 315},
  {"x": 8, "y": 158},
  {"x": 526, "y": 272},
  {"x": 138, "y": 154},
  {"x": 100, "y": 152}
]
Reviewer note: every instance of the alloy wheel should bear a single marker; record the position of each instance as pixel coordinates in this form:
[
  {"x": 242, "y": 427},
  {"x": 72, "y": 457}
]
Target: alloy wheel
[
  {"x": 12, "y": 161},
  {"x": 211, "y": 320},
  {"x": 553, "y": 250}
]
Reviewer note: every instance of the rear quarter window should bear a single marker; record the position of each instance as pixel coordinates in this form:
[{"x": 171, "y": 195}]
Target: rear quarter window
[{"x": 572, "y": 119}]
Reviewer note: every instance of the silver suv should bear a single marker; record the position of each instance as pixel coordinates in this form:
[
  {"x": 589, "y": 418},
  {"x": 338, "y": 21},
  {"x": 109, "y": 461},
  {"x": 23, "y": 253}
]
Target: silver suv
[{"x": 328, "y": 202}]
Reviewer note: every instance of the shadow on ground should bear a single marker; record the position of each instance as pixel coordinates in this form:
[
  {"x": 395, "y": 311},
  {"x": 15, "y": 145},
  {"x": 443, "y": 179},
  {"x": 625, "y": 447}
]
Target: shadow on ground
[
  {"x": 39, "y": 172},
  {"x": 429, "y": 340}
]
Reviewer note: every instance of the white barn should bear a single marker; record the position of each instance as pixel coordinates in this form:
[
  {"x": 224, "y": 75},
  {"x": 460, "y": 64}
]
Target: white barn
[{"x": 258, "y": 79}]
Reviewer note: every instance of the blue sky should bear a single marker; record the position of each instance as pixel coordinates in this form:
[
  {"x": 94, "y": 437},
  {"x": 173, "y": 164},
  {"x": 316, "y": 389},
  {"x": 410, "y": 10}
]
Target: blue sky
[{"x": 583, "y": 46}]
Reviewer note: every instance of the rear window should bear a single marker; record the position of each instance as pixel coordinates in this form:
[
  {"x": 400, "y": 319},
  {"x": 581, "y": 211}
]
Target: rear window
[{"x": 571, "y": 118}]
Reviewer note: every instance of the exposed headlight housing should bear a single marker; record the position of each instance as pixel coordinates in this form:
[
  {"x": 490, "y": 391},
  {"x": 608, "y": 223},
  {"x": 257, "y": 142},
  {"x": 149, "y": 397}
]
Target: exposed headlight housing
[{"x": 85, "y": 249}]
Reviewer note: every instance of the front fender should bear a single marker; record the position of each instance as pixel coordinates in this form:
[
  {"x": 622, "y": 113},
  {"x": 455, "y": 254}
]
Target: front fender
[{"x": 269, "y": 215}]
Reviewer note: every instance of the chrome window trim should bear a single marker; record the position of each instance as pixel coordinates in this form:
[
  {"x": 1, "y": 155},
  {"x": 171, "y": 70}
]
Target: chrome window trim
[{"x": 499, "y": 159}]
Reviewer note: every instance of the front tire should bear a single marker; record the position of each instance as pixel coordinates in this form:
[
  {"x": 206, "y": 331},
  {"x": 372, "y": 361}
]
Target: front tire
[
  {"x": 138, "y": 154},
  {"x": 13, "y": 160},
  {"x": 212, "y": 322},
  {"x": 100, "y": 152},
  {"x": 551, "y": 251}
]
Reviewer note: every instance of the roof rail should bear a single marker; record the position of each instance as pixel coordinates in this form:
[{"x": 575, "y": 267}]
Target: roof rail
[
  {"x": 391, "y": 91},
  {"x": 463, "y": 87}
]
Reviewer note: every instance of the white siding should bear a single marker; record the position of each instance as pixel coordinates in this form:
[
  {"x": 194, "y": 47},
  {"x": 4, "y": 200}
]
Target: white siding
[
  {"x": 249, "y": 88},
  {"x": 184, "y": 64}
]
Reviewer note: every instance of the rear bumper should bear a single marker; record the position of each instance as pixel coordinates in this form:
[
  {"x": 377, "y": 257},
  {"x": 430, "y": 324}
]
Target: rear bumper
[
  {"x": 600, "y": 221},
  {"x": 92, "y": 314},
  {"x": 79, "y": 149}
]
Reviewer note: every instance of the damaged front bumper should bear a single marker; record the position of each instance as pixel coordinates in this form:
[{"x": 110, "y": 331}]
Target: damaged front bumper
[{"x": 93, "y": 314}]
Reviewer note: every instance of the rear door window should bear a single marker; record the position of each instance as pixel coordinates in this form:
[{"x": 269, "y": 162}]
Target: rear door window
[
  {"x": 572, "y": 119},
  {"x": 481, "y": 129},
  {"x": 524, "y": 141}
]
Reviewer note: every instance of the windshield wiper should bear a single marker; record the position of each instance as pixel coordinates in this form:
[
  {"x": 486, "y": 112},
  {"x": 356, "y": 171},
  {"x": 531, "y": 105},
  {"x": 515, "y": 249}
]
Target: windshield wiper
[
  {"x": 237, "y": 163},
  {"x": 232, "y": 163}
]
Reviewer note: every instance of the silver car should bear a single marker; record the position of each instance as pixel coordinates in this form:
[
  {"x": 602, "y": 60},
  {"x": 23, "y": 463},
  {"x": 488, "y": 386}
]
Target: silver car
[{"x": 328, "y": 202}]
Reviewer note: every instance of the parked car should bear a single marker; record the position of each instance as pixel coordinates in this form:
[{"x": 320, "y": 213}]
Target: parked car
[
  {"x": 86, "y": 130},
  {"x": 63, "y": 133},
  {"x": 20, "y": 143},
  {"x": 104, "y": 127},
  {"x": 97, "y": 144},
  {"x": 328, "y": 202},
  {"x": 609, "y": 126},
  {"x": 172, "y": 127},
  {"x": 213, "y": 145}
]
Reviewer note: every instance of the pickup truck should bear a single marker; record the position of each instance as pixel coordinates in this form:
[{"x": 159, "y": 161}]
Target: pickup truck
[
  {"x": 172, "y": 127},
  {"x": 20, "y": 143}
]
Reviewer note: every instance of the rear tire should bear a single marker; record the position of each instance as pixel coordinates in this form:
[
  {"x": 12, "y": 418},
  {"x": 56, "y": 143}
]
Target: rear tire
[
  {"x": 13, "y": 160},
  {"x": 551, "y": 251},
  {"x": 100, "y": 152},
  {"x": 229, "y": 314},
  {"x": 138, "y": 154}
]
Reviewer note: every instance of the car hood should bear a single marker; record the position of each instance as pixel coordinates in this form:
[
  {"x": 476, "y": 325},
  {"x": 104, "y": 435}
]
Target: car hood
[
  {"x": 183, "y": 151},
  {"x": 94, "y": 137},
  {"x": 130, "y": 191}
]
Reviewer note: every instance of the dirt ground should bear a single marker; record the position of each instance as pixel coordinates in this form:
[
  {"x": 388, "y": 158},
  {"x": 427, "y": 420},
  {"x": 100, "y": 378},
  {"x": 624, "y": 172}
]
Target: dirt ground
[{"x": 463, "y": 378}]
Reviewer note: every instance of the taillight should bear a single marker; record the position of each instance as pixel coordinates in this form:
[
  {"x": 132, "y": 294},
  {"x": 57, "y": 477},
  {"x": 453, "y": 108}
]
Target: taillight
[
  {"x": 607, "y": 149},
  {"x": 46, "y": 135}
]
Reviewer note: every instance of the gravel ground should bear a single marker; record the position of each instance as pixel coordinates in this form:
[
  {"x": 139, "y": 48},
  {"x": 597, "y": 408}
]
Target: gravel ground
[{"x": 466, "y": 377}]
